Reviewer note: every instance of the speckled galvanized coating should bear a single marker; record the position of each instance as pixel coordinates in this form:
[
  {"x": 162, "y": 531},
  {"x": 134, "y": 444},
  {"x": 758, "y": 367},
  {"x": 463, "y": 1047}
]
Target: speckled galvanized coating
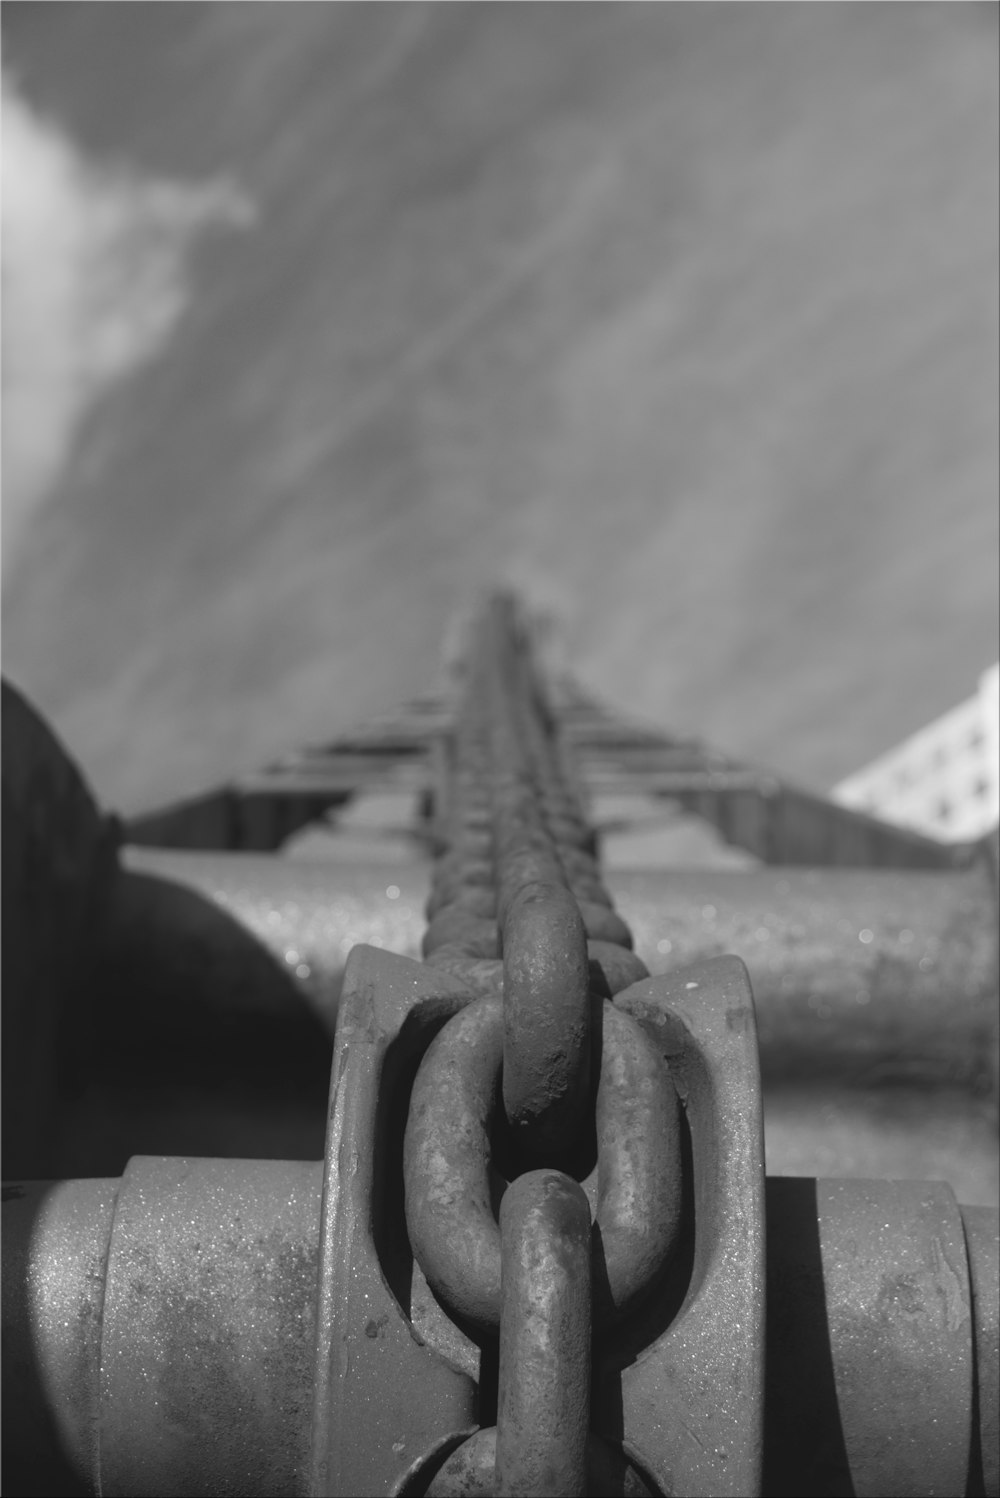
[
  {"x": 690, "y": 1409},
  {"x": 308, "y": 916},
  {"x": 884, "y": 974},
  {"x": 982, "y": 1240},
  {"x": 888, "y": 973},
  {"x": 546, "y": 1085},
  {"x": 896, "y": 1286},
  {"x": 209, "y": 1328},
  {"x": 55, "y": 1248},
  {"x": 374, "y": 1429}
]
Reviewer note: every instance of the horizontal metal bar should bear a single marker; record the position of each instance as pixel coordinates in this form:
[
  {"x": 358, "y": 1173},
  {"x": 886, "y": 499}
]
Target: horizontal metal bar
[
  {"x": 898, "y": 1082},
  {"x": 158, "y": 1329},
  {"x": 888, "y": 974},
  {"x": 869, "y": 975},
  {"x": 159, "y": 1333}
]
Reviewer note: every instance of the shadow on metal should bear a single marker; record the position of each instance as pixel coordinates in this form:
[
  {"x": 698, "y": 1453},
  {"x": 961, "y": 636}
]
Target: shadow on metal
[
  {"x": 804, "y": 1449},
  {"x": 35, "y": 1463}
]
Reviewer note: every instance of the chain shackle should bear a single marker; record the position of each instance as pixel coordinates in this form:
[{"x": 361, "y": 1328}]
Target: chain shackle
[{"x": 451, "y": 1182}]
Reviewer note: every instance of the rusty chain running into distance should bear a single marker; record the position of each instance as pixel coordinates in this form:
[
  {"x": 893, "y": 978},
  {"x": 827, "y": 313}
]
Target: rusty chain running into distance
[{"x": 539, "y": 1091}]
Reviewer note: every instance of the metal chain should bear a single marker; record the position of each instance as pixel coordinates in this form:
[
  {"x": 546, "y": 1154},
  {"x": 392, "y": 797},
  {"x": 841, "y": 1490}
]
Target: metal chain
[
  {"x": 505, "y": 734},
  {"x": 518, "y": 911}
]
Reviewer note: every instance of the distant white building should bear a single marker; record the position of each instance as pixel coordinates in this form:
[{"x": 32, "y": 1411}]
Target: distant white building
[{"x": 943, "y": 781}]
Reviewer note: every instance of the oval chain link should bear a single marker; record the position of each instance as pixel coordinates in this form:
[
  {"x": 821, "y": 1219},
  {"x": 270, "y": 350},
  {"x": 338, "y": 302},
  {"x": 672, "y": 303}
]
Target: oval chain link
[
  {"x": 451, "y": 1183},
  {"x": 539, "y": 1444}
]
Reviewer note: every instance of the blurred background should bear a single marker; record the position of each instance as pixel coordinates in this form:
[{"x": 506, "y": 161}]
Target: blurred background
[{"x": 320, "y": 317}]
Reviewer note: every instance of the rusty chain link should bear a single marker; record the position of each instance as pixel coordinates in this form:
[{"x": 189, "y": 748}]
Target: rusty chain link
[
  {"x": 452, "y": 1178},
  {"x": 539, "y": 1444},
  {"x": 518, "y": 912},
  {"x": 543, "y": 1402}
]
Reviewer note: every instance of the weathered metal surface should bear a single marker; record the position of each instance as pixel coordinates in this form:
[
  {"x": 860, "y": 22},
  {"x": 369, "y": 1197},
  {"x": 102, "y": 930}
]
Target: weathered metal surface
[
  {"x": 872, "y": 1382},
  {"x": 210, "y": 937},
  {"x": 690, "y": 1409},
  {"x": 164, "y": 1324},
  {"x": 470, "y": 1472},
  {"x": 518, "y": 898},
  {"x": 450, "y": 1219},
  {"x": 402, "y": 1400},
  {"x": 547, "y": 1023},
  {"x": 895, "y": 1132},
  {"x": 516, "y": 883},
  {"x": 636, "y": 1186},
  {"x": 799, "y": 931},
  {"x": 543, "y": 1399},
  {"x": 880, "y": 975},
  {"x": 982, "y": 1241},
  {"x": 249, "y": 934},
  {"x": 896, "y": 1287},
  {"x": 453, "y": 1173},
  {"x": 878, "y": 1378},
  {"x": 208, "y": 1328},
  {"x": 55, "y": 1249}
]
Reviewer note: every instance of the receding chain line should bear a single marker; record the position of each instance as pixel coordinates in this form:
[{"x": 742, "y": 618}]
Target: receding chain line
[
  {"x": 508, "y": 798},
  {"x": 519, "y": 914}
]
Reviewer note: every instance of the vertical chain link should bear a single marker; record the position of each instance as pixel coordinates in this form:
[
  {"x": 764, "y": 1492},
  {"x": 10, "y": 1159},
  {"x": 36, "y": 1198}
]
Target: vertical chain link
[{"x": 543, "y": 1403}]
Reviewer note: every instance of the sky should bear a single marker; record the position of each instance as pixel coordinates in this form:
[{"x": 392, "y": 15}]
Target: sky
[
  {"x": 94, "y": 283},
  {"x": 320, "y": 318}
]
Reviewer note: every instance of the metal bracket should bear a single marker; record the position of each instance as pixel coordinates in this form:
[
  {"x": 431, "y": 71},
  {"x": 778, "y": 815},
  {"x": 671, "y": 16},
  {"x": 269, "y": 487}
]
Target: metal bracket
[
  {"x": 687, "y": 1409},
  {"x": 385, "y": 1402},
  {"x": 692, "y": 1404}
]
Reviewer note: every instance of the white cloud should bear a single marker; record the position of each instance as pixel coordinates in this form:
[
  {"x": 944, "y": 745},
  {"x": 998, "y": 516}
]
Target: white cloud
[{"x": 94, "y": 267}]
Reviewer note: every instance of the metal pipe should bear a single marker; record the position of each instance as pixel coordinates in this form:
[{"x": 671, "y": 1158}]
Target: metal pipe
[
  {"x": 179, "y": 924},
  {"x": 876, "y": 1384},
  {"x": 159, "y": 1329},
  {"x": 158, "y": 1334},
  {"x": 55, "y": 1249},
  {"x": 872, "y": 975},
  {"x": 866, "y": 975}
]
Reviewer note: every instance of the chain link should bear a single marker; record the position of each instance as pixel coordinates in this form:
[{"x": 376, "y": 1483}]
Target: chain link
[
  {"x": 543, "y": 1400},
  {"x": 453, "y": 1182}
]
